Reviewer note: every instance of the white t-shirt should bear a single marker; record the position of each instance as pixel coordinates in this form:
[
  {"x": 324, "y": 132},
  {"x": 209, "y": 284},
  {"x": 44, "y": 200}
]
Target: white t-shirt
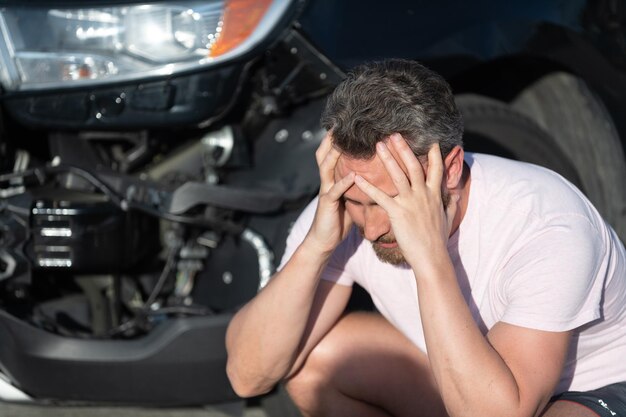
[{"x": 531, "y": 251}]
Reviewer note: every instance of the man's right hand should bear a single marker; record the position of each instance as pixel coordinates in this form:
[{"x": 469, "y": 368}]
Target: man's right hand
[{"x": 332, "y": 222}]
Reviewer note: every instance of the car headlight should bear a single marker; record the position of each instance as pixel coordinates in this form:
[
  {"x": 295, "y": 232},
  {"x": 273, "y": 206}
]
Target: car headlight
[{"x": 71, "y": 47}]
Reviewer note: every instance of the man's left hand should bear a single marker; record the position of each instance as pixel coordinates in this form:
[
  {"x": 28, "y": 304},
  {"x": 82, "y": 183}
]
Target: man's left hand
[{"x": 419, "y": 220}]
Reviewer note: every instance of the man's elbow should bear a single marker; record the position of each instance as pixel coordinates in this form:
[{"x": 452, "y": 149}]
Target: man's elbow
[{"x": 246, "y": 387}]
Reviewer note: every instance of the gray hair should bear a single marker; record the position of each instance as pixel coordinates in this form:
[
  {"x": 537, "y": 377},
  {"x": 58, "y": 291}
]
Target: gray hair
[{"x": 380, "y": 98}]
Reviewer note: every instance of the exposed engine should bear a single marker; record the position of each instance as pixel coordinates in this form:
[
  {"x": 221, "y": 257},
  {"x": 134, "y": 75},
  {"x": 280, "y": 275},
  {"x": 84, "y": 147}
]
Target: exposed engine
[{"x": 95, "y": 244}]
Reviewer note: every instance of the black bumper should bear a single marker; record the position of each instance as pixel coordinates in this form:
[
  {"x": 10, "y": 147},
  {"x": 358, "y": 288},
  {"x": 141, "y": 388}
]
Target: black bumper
[{"x": 181, "y": 362}]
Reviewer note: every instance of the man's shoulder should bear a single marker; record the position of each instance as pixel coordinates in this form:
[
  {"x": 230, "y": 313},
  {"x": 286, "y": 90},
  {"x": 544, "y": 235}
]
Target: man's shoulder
[
  {"x": 523, "y": 187},
  {"x": 496, "y": 168},
  {"x": 520, "y": 202}
]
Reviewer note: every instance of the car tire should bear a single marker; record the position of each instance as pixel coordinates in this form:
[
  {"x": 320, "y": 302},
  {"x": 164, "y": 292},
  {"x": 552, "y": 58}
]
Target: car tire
[
  {"x": 576, "y": 118},
  {"x": 493, "y": 127}
]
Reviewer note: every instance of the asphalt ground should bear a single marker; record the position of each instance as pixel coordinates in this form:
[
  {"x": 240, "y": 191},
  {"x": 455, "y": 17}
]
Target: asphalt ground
[{"x": 227, "y": 410}]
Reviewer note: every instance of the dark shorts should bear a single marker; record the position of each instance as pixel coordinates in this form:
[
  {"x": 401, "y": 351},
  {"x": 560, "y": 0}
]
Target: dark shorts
[{"x": 609, "y": 401}]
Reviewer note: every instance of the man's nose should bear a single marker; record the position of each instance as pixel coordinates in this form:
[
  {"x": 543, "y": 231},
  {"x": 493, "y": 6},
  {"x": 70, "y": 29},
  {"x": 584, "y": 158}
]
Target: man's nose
[{"x": 376, "y": 223}]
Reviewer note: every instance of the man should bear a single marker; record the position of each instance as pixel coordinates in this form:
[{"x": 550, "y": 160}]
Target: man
[{"x": 500, "y": 289}]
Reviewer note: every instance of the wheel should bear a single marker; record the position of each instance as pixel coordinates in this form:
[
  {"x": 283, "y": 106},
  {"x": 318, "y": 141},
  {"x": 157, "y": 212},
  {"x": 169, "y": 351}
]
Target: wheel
[
  {"x": 580, "y": 124},
  {"x": 494, "y": 127}
]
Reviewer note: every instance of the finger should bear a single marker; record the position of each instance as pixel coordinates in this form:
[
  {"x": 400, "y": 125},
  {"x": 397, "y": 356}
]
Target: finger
[
  {"x": 323, "y": 149},
  {"x": 435, "y": 168},
  {"x": 327, "y": 169},
  {"x": 413, "y": 165},
  {"x": 393, "y": 168},
  {"x": 396, "y": 155},
  {"x": 341, "y": 186},
  {"x": 379, "y": 197}
]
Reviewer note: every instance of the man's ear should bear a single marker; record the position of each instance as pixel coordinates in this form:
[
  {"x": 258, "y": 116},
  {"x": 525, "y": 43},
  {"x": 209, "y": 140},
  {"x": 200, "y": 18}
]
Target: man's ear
[{"x": 454, "y": 168}]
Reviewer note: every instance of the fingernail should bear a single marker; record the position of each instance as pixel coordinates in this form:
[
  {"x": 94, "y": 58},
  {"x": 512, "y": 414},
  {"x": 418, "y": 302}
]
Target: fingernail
[
  {"x": 381, "y": 147},
  {"x": 358, "y": 178},
  {"x": 396, "y": 137}
]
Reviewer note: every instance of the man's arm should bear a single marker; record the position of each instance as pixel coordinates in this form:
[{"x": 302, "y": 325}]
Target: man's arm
[
  {"x": 270, "y": 337},
  {"x": 512, "y": 371}
]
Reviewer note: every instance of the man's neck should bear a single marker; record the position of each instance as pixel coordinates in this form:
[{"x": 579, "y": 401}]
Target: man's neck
[{"x": 464, "y": 193}]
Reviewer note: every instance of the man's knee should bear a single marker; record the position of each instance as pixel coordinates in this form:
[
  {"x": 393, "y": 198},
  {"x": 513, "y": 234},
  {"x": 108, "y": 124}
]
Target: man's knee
[
  {"x": 311, "y": 383},
  {"x": 313, "y": 377},
  {"x": 365, "y": 364}
]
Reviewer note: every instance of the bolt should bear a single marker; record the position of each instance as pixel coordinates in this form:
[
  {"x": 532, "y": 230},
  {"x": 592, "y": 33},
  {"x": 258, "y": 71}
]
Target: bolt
[
  {"x": 281, "y": 136},
  {"x": 307, "y": 135},
  {"x": 227, "y": 277}
]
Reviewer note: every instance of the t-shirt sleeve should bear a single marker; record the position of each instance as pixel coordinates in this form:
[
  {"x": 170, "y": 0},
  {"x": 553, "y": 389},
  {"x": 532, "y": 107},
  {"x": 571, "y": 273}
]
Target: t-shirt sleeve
[
  {"x": 555, "y": 281},
  {"x": 336, "y": 270}
]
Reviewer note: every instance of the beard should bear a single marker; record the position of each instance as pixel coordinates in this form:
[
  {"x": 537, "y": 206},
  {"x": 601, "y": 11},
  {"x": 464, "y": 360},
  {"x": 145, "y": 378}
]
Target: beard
[
  {"x": 394, "y": 255},
  {"x": 391, "y": 256}
]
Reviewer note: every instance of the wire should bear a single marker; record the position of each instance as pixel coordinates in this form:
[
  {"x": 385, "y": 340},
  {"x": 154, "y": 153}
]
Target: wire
[
  {"x": 40, "y": 173},
  {"x": 221, "y": 225},
  {"x": 162, "y": 278},
  {"x": 92, "y": 179}
]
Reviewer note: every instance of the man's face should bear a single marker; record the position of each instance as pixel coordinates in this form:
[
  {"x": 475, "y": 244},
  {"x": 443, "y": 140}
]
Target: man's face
[{"x": 368, "y": 216}]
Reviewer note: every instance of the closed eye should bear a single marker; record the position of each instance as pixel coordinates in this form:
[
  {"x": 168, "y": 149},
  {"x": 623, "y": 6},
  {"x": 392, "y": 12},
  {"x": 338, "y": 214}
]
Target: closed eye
[{"x": 350, "y": 201}]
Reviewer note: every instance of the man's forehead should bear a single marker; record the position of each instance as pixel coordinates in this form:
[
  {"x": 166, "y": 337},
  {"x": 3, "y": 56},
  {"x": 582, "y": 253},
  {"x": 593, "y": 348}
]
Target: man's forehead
[
  {"x": 371, "y": 169},
  {"x": 347, "y": 164}
]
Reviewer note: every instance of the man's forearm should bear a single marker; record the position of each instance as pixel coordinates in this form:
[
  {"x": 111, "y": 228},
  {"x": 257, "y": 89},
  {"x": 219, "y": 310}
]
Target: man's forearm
[
  {"x": 472, "y": 377},
  {"x": 263, "y": 338}
]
